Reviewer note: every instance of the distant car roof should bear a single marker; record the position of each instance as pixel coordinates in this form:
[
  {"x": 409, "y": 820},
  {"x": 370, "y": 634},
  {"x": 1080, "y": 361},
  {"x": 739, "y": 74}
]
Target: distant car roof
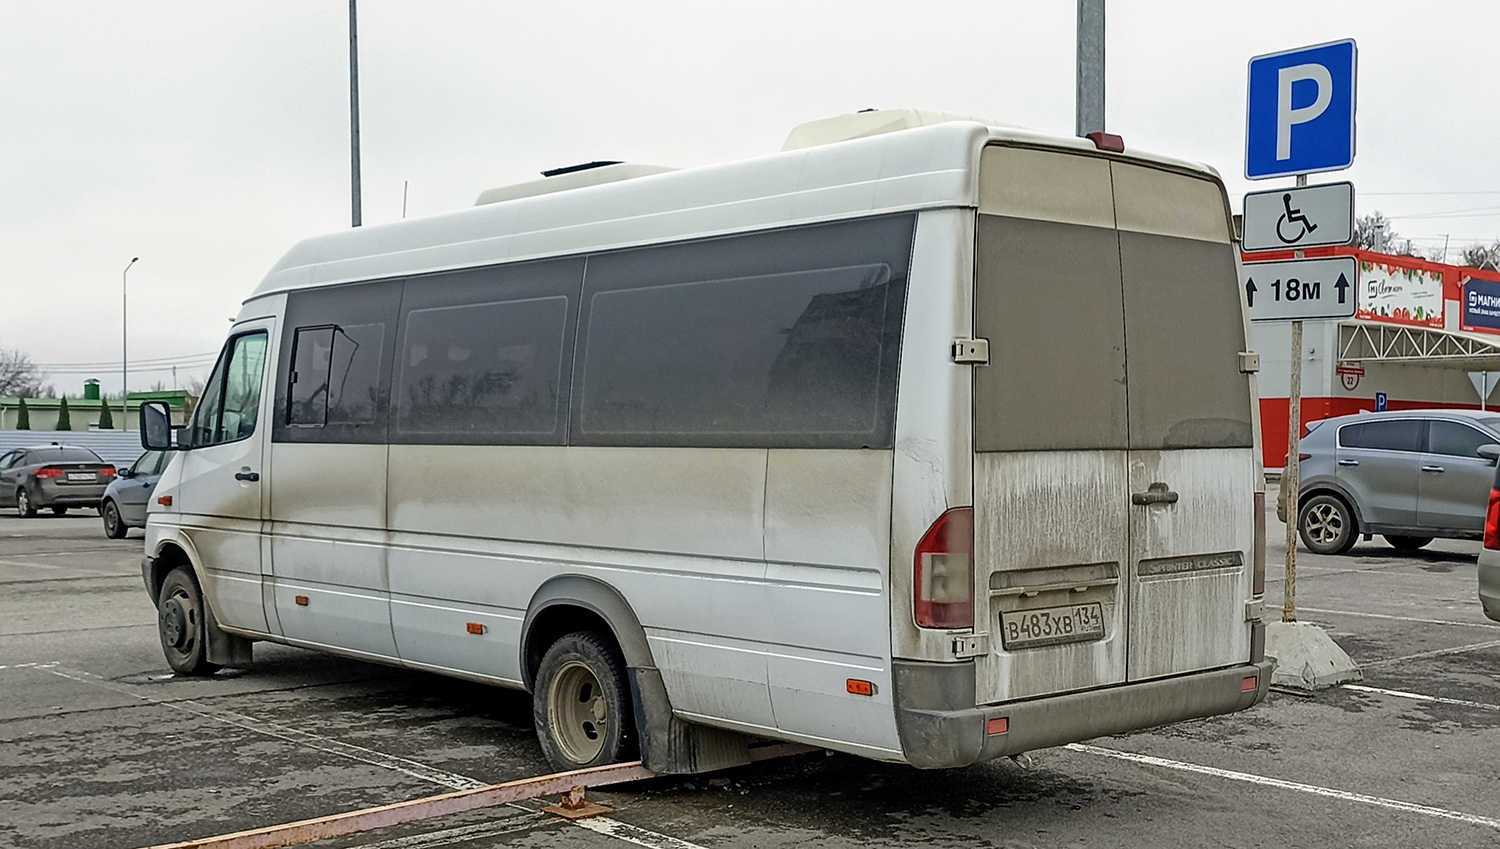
[{"x": 1431, "y": 412}]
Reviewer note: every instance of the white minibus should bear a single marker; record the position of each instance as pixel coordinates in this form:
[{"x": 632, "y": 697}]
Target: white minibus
[{"x": 922, "y": 439}]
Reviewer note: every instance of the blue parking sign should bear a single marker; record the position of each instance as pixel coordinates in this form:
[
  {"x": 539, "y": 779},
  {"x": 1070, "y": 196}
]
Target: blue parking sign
[{"x": 1299, "y": 111}]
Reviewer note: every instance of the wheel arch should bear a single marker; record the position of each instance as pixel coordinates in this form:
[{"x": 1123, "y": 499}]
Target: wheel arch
[
  {"x": 570, "y": 603},
  {"x": 168, "y": 555}
]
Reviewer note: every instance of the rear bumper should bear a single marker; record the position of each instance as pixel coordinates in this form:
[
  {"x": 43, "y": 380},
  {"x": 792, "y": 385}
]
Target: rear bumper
[
  {"x": 936, "y": 736},
  {"x": 62, "y": 495},
  {"x": 1489, "y": 583}
]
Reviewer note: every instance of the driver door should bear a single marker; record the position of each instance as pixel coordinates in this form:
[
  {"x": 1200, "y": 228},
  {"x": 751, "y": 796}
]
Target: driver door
[{"x": 223, "y": 491}]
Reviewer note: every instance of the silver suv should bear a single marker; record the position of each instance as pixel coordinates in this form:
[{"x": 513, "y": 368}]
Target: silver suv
[{"x": 1409, "y": 476}]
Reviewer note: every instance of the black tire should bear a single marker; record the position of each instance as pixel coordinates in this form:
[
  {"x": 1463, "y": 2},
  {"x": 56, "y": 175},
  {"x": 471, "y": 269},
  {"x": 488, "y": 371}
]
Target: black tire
[
  {"x": 59, "y": 511},
  {"x": 1407, "y": 543},
  {"x": 1326, "y": 525},
  {"x": 180, "y": 622},
  {"x": 24, "y": 508},
  {"x": 582, "y": 704},
  {"x": 114, "y": 527}
]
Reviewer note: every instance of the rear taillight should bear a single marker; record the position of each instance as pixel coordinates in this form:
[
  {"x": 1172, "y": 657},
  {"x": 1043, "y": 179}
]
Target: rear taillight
[
  {"x": 107, "y": 471},
  {"x": 1258, "y": 567},
  {"x": 1304, "y": 457},
  {"x": 1492, "y": 522},
  {"x": 944, "y": 572},
  {"x": 49, "y": 472}
]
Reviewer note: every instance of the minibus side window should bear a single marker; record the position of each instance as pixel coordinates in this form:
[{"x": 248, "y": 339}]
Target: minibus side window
[{"x": 230, "y": 405}]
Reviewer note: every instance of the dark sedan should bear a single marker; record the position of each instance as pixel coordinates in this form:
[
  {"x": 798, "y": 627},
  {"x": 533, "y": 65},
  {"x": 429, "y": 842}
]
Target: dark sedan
[{"x": 53, "y": 477}]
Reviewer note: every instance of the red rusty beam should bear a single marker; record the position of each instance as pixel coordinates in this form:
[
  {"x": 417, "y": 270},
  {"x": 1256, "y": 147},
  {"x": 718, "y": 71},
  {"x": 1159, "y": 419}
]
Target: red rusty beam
[{"x": 352, "y": 822}]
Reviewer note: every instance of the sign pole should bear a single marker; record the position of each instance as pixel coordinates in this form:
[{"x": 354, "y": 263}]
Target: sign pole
[{"x": 1293, "y": 470}]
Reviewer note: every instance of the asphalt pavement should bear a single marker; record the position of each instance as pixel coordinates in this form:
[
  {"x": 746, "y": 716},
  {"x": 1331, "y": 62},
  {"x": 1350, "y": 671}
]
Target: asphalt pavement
[{"x": 100, "y": 746}]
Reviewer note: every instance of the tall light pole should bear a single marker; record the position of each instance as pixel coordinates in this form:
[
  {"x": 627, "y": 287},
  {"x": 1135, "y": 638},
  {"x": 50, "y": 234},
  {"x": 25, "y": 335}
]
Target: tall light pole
[
  {"x": 354, "y": 201},
  {"x": 125, "y": 346},
  {"x": 1089, "y": 103}
]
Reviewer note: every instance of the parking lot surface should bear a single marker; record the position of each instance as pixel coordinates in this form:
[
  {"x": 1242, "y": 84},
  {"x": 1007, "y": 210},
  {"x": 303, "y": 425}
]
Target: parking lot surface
[{"x": 100, "y": 746}]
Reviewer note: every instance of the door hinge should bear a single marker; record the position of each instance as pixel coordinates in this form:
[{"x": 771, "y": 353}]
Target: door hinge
[
  {"x": 975, "y": 352},
  {"x": 973, "y": 645},
  {"x": 1254, "y": 609},
  {"x": 1249, "y": 362}
]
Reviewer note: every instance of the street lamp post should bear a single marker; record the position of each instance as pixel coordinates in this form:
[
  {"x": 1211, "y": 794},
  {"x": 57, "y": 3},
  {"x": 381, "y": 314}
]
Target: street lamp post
[{"x": 125, "y": 347}]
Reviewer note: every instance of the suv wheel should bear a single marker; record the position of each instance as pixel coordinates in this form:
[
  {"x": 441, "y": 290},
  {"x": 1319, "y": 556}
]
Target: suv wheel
[
  {"x": 1407, "y": 543},
  {"x": 1326, "y": 525}
]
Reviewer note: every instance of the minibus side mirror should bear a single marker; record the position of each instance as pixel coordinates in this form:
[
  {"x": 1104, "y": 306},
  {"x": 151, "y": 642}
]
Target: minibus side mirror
[
  {"x": 156, "y": 427},
  {"x": 1489, "y": 452}
]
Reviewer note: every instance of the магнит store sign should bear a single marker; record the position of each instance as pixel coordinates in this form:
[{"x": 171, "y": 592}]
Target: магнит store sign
[
  {"x": 1481, "y": 306},
  {"x": 1398, "y": 295}
]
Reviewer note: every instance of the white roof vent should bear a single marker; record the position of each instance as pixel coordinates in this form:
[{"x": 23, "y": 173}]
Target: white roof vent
[
  {"x": 571, "y": 177},
  {"x": 872, "y": 122}
]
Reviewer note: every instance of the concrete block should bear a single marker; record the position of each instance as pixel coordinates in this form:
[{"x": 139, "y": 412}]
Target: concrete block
[{"x": 1307, "y": 658}]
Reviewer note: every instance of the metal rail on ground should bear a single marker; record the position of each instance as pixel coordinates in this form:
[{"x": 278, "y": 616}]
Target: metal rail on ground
[{"x": 429, "y": 807}]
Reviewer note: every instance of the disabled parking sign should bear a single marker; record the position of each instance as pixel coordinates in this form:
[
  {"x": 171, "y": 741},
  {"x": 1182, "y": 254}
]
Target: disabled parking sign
[{"x": 1299, "y": 111}]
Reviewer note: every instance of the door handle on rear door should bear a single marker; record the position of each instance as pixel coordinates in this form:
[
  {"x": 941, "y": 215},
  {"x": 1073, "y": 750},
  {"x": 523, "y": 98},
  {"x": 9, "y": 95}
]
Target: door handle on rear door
[
  {"x": 1156, "y": 493},
  {"x": 1432, "y": 468},
  {"x": 245, "y": 474},
  {"x": 1348, "y": 462}
]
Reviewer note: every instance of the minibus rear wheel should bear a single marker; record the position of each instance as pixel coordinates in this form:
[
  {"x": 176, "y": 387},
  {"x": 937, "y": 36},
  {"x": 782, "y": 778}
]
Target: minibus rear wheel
[
  {"x": 581, "y": 703},
  {"x": 180, "y": 623}
]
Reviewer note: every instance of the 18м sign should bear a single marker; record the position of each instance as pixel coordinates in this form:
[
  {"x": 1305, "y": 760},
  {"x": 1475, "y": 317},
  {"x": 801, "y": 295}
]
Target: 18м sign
[{"x": 1297, "y": 289}]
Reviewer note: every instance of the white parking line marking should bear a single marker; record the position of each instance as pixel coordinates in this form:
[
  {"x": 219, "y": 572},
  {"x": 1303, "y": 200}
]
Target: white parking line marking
[
  {"x": 1421, "y": 697},
  {"x": 443, "y": 778},
  {"x": 1329, "y": 792},
  {"x": 1434, "y": 653},
  {"x": 1485, "y": 624},
  {"x": 631, "y": 834},
  {"x": 39, "y": 665}
]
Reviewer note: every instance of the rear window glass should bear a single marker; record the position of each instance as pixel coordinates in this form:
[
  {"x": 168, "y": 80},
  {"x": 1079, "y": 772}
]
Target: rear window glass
[
  {"x": 1400, "y": 435},
  {"x": 63, "y": 455}
]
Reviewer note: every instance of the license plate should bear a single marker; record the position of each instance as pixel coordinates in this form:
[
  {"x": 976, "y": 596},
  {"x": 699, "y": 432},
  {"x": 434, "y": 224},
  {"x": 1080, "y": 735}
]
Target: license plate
[
  {"x": 80, "y": 476},
  {"x": 1051, "y": 626}
]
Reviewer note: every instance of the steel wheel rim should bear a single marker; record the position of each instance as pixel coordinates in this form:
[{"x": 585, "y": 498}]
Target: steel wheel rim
[
  {"x": 1324, "y": 524},
  {"x": 577, "y": 712},
  {"x": 111, "y": 518},
  {"x": 179, "y": 623}
]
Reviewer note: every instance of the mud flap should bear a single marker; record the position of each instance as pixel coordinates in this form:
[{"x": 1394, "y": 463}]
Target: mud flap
[
  {"x": 671, "y": 746},
  {"x": 222, "y": 647}
]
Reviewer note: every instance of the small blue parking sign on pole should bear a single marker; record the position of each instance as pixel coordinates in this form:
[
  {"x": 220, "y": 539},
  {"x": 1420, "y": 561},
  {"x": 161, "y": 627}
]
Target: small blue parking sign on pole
[
  {"x": 1299, "y": 113},
  {"x": 1379, "y": 402}
]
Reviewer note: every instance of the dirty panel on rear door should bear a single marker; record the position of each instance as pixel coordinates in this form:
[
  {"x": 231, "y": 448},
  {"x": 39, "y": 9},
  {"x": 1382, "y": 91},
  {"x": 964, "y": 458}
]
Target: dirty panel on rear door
[
  {"x": 1051, "y": 427},
  {"x": 1191, "y": 434}
]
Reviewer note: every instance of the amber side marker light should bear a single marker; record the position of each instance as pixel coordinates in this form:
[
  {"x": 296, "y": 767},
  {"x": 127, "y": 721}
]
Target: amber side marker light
[
  {"x": 860, "y": 688},
  {"x": 301, "y": 600},
  {"x": 997, "y": 726},
  {"x": 165, "y": 501},
  {"x": 1249, "y": 683},
  {"x": 476, "y": 628}
]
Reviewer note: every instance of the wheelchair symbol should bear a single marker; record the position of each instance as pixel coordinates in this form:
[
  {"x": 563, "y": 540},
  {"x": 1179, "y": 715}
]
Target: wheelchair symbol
[{"x": 1292, "y": 216}]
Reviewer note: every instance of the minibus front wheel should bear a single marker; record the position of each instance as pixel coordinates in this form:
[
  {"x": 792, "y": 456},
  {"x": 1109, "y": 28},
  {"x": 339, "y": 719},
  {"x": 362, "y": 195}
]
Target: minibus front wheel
[
  {"x": 581, "y": 702},
  {"x": 181, "y": 622}
]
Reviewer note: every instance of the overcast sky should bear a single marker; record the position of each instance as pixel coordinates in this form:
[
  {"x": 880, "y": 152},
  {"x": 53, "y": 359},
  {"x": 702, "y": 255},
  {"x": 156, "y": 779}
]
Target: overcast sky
[{"x": 208, "y": 137}]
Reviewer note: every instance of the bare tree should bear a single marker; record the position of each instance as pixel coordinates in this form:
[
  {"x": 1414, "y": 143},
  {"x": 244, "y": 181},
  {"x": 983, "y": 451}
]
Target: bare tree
[
  {"x": 1483, "y": 256},
  {"x": 1373, "y": 232},
  {"x": 19, "y": 375}
]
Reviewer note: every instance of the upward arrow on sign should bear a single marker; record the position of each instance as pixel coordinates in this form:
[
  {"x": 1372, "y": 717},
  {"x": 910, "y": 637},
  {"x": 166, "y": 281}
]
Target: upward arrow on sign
[
  {"x": 1250, "y": 291},
  {"x": 1342, "y": 285}
]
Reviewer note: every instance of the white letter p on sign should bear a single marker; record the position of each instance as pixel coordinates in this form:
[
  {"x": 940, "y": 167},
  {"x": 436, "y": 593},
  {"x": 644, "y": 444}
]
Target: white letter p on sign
[{"x": 1286, "y": 116}]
